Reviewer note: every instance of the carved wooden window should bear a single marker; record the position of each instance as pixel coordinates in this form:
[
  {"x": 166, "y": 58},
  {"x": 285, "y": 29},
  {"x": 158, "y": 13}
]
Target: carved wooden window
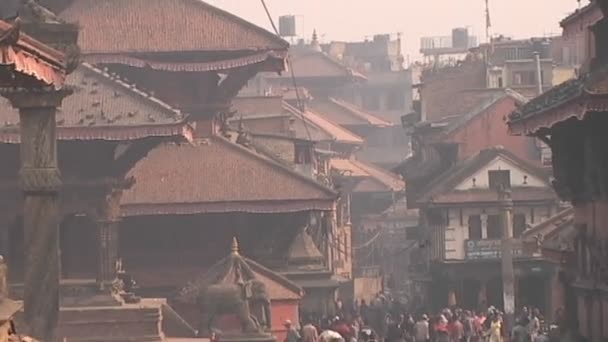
[
  {"x": 499, "y": 178},
  {"x": 475, "y": 227},
  {"x": 494, "y": 228},
  {"x": 519, "y": 225}
]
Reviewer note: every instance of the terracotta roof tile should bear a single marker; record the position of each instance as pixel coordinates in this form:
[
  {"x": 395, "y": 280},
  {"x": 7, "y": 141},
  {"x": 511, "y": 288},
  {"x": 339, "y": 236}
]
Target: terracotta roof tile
[
  {"x": 553, "y": 105},
  {"x": 345, "y": 114},
  {"x": 303, "y": 250},
  {"x": 102, "y": 107},
  {"x": 307, "y": 63},
  {"x": 552, "y": 226},
  {"x": 334, "y": 131},
  {"x": 256, "y": 106},
  {"x": 30, "y": 57},
  {"x": 218, "y": 176},
  {"x": 356, "y": 168},
  {"x": 122, "y": 26},
  {"x": 348, "y": 167},
  {"x": 234, "y": 266}
]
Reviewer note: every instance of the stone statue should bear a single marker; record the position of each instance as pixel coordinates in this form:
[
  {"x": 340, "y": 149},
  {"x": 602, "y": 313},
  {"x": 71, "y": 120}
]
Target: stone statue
[{"x": 236, "y": 299}]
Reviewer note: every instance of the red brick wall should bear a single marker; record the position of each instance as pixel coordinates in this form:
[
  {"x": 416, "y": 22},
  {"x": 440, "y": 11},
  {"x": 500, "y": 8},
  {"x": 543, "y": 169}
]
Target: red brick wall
[
  {"x": 441, "y": 92},
  {"x": 489, "y": 129},
  {"x": 281, "y": 311}
]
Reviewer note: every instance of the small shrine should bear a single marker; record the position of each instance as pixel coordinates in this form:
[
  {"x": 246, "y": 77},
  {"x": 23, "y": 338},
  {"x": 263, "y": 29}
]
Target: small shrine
[
  {"x": 306, "y": 266},
  {"x": 240, "y": 300}
]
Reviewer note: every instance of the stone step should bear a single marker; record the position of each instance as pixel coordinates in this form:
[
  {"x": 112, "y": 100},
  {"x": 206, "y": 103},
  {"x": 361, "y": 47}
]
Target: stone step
[
  {"x": 126, "y": 323},
  {"x": 123, "y": 324}
]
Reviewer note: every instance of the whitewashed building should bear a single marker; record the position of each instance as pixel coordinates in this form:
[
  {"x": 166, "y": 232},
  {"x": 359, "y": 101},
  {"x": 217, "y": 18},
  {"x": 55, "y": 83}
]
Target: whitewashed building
[{"x": 460, "y": 214}]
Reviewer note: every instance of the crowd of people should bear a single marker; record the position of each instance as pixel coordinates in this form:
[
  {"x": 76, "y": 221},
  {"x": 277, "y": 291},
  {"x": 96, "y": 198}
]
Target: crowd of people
[{"x": 385, "y": 319}]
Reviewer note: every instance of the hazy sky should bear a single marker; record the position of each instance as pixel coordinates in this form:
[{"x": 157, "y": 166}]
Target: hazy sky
[{"x": 357, "y": 19}]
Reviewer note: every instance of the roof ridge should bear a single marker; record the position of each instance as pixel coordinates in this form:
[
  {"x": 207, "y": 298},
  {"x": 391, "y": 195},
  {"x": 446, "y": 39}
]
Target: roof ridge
[
  {"x": 560, "y": 216},
  {"x": 132, "y": 88},
  {"x": 360, "y": 112},
  {"x": 277, "y": 165},
  {"x": 348, "y": 70},
  {"x": 251, "y": 25},
  {"x": 464, "y": 118},
  {"x": 276, "y": 276},
  {"x": 375, "y": 170},
  {"x": 302, "y": 115},
  {"x": 458, "y": 172}
]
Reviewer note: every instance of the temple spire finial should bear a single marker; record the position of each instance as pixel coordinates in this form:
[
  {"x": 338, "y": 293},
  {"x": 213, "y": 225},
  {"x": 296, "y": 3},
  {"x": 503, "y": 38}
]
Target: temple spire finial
[
  {"x": 234, "y": 248},
  {"x": 314, "y": 44}
]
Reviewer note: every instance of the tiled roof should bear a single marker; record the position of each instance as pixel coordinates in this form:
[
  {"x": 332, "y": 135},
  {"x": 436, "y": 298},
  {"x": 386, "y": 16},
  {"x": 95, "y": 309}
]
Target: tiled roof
[
  {"x": 334, "y": 131},
  {"x": 218, "y": 175},
  {"x": 303, "y": 250},
  {"x": 257, "y": 106},
  {"x": 356, "y": 168},
  {"x": 29, "y": 57},
  {"x": 132, "y": 26},
  {"x": 547, "y": 227},
  {"x": 557, "y": 231},
  {"x": 578, "y": 12},
  {"x": 233, "y": 266},
  {"x": 345, "y": 114},
  {"x": 590, "y": 85},
  {"x": 492, "y": 98},
  {"x": 102, "y": 107},
  {"x": 308, "y": 63},
  {"x": 443, "y": 185}
]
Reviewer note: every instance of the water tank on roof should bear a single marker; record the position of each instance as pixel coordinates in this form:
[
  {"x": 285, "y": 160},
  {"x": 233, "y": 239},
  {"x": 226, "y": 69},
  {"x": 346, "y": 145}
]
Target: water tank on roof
[
  {"x": 382, "y": 38},
  {"x": 287, "y": 26},
  {"x": 460, "y": 38}
]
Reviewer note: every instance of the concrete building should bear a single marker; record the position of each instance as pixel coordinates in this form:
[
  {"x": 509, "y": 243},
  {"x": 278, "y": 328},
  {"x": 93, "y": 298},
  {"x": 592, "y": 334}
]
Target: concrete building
[{"x": 460, "y": 211}]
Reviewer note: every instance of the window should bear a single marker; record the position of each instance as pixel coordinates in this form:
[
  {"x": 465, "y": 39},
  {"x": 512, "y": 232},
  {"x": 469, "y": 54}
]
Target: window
[
  {"x": 494, "y": 229},
  {"x": 499, "y": 178},
  {"x": 475, "y": 227},
  {"x": 524, "y": 78},
  {"x": 519, "y": 225}
]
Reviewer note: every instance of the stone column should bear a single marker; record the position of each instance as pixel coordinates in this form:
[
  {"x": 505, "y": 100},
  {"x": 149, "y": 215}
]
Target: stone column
[
  {"x": 484, "y": 226},
  {"x": 40, "y": 181},
  {"x": 508, "y": 276},
  {"x": 5, "y": 225},
  {"x": 108, "y": 220}
]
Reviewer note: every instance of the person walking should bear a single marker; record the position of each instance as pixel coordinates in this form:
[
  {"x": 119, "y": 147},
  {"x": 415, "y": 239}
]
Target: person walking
[
  {"x": 292, "y": 333},
  {"x": 309, "y": 333},
  {"x": 421, "y": 330}
]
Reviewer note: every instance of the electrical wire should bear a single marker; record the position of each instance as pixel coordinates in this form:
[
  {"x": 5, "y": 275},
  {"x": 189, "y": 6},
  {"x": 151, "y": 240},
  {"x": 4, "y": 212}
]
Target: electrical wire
[{"x": 299, "y": 102}]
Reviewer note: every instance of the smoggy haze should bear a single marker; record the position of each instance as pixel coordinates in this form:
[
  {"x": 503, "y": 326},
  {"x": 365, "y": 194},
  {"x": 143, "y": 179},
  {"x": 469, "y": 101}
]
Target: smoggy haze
[{"x": 356, "y": 19}]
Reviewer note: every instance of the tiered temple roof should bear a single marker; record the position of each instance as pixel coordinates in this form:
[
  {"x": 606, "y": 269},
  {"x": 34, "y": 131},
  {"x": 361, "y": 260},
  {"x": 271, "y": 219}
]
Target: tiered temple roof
[
  {"x": 236, "y": 268},
  {"x": 563, "y": 102},
  {"x": 103, "y": 107},
  {"x": 217, "y": 175},
  {"x": 212, "y": 39}
]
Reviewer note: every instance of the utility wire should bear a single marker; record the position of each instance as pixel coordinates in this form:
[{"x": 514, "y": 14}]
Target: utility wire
[{"x": 299, "y": 103}]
